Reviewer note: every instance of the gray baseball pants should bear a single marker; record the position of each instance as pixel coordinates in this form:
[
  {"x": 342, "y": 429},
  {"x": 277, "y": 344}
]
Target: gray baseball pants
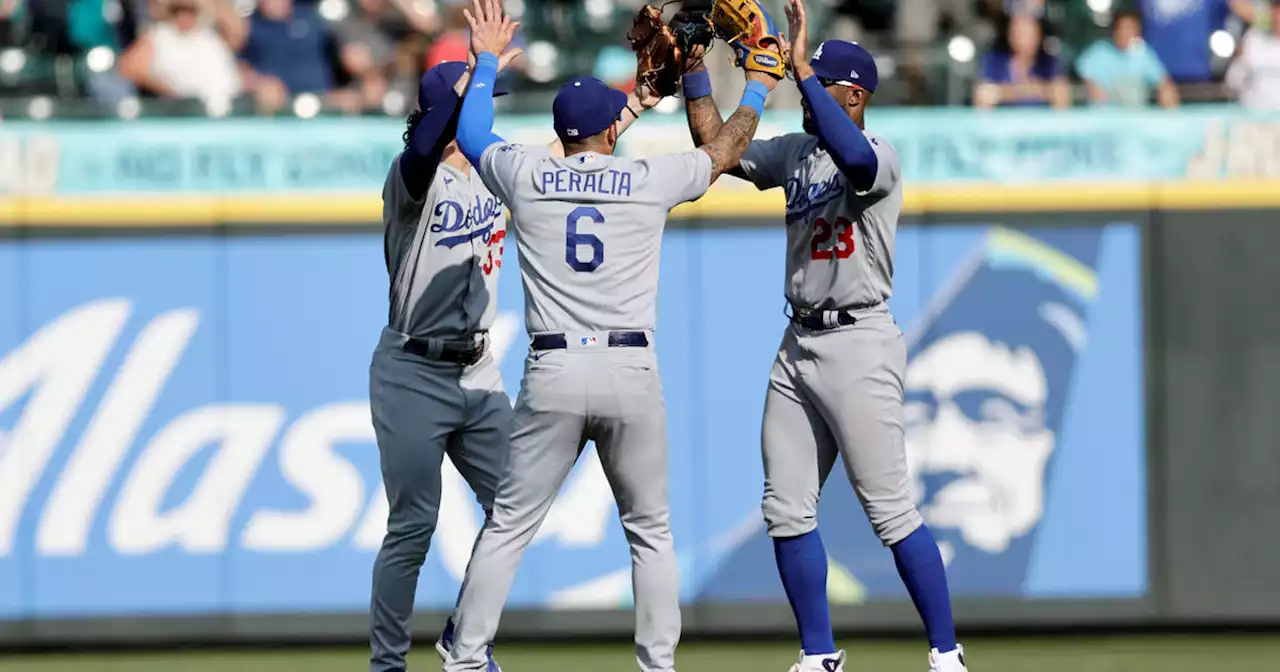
[
  {"x": 423, "y": 410},
  {"x": 612, "y": 396},
  {"x": 838, "y": 392}
]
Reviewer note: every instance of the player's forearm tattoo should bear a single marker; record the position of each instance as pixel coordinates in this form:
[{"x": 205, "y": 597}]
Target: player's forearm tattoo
[
  {"x": 704, "y": 120},
  {"x": 731, "y": 141}
]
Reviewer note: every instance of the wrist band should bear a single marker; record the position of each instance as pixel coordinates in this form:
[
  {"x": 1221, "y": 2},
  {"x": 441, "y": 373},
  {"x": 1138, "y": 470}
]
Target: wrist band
[
  {"x": 633, "y": 112},
  {"x": 488, "y": 59},
  {"x": 753, "y": 96},
  {"x": 697, "y": 85}
]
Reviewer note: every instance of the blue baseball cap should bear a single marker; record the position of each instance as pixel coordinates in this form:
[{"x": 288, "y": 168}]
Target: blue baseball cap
[
  {"x": 586, "y": 106},
  {"x": 440, "y": 79},
  {"x": 845, "y": 63}
]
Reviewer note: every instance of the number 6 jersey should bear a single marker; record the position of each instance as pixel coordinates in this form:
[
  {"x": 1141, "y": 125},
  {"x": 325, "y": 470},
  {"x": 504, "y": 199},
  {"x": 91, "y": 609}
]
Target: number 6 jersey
[
  {"x": 589, "y": 230},
  {"x": 839, "y": 241}
]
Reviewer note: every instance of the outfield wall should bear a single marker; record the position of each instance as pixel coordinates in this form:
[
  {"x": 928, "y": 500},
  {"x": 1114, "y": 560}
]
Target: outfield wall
[{"x": 185, "y": 443}]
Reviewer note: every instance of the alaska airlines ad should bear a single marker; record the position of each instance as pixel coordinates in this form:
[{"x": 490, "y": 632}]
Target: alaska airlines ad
[{"x": 184, "y": 425}]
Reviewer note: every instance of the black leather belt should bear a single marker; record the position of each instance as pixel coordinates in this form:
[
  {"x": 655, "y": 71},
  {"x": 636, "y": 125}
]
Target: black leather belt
[
  {"x": 466, "y": 355},
  {"x": 813, "y": 318},
  {"x": 617, "y": 339}
]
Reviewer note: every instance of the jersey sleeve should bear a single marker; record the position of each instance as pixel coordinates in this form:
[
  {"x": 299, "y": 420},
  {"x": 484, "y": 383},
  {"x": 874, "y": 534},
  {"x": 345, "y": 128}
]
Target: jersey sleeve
[
  {"x": 888, "y": 168},
  {"x": 682, "y": 177},
  {"x": 499, "y": 168},
  {"x": 765, "y": 162}
]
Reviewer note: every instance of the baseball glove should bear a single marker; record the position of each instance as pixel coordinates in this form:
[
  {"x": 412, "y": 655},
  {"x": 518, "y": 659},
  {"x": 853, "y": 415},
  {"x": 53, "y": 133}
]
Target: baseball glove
[
  {"x": 747, "y": 27},
  {"x": 662, "y": 50},
  {"x": 658, "y": 54}
]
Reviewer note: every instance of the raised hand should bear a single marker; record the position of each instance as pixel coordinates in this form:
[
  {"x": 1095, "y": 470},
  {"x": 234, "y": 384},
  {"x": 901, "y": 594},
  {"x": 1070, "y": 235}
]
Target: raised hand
[
  {"x": 693, "y": 58},
  {"x": 798, "y": 39},
  {"x": 645, "y": 96},
  {"x": 491, "y": 30},
  {"x": 504, "y": 59},
  {"x": 508, "y": 56}
]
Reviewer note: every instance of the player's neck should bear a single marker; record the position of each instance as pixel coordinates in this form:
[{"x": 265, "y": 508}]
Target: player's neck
[
  {"x": 453, "y": 157},
  {"x": 579, "y": 147}
]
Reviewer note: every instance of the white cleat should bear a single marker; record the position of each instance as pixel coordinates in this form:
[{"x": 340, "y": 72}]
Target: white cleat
[
  {"x": 951, "y": 661},
  {"x": 827, "y": 662}
]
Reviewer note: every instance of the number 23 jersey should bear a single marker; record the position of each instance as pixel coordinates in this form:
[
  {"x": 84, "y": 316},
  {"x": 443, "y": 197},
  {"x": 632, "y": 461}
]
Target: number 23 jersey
[{"x": 839, "y": 241}]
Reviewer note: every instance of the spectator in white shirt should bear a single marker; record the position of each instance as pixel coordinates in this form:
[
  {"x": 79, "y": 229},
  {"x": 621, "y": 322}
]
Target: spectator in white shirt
[
  {"x": 1255, "y": 74},
  {"x": 188, "y": 52}
]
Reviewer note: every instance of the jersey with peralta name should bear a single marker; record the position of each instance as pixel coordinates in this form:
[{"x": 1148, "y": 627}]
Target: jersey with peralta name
[
  {"x": 839, "y": 241},
  {"x": 589, "y": 230},
  {"x": 443, "y": 253}
]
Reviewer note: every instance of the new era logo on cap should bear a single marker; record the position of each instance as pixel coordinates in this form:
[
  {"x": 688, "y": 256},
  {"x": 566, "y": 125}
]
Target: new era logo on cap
[{"x": 839, "y": 61}]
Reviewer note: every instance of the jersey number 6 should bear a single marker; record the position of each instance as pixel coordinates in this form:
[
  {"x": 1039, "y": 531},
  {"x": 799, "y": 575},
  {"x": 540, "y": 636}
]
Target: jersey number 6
[
  {"x": 573, "y": 240},
  {"x": 822, "y": 231}
]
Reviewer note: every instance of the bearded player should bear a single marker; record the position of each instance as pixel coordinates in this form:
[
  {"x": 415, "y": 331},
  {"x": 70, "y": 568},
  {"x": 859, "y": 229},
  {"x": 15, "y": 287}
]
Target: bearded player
[{"x": 836, "y": 387}]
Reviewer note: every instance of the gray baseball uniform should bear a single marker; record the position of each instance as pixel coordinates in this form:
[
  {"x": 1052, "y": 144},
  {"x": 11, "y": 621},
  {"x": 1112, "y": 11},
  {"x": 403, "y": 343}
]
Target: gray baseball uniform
[
  {"x": 443, "y": 255},
  {"x": 589, "y": 230},
  {"x": 837, "y": 390}
]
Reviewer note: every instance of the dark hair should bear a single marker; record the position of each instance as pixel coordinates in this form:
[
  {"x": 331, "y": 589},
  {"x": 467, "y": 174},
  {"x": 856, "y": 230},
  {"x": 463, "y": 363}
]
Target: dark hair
[{"x": 415, "y": 118}]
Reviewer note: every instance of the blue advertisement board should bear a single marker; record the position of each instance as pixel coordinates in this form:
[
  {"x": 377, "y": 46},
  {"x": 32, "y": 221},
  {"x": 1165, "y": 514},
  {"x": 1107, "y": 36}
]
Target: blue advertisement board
[{"x": 184, "y": 424}]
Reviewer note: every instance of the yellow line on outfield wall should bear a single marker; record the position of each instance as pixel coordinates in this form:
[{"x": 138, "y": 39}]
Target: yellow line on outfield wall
[{"x": 724, "y": 202}]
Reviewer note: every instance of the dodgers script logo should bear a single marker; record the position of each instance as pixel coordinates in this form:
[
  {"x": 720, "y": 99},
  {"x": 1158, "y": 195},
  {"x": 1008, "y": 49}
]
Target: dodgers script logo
[
  {"x": 475, "y": 221},
  {"x": 802, "y": 201}
]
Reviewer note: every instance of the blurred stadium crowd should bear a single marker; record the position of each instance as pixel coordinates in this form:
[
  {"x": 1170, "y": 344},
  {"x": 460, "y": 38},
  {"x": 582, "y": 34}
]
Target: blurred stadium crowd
[{"x": 129, "y": 58}]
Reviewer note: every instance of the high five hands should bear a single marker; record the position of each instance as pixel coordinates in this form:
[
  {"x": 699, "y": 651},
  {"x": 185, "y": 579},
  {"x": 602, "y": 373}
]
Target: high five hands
[
  {"x": 492, "y": 31},
  {"x": 798, "y": 39}
]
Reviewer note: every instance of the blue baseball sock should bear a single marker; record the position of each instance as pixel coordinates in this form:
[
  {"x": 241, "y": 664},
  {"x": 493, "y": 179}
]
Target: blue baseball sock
[
  {"x": 802, "y": 564},
  {"x": 920, "y": 566}
]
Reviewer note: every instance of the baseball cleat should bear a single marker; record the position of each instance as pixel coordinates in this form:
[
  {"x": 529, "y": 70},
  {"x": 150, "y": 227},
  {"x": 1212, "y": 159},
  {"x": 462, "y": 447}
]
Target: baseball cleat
[
  {"x": 445, "y": 643},
  {"x": 827, "y": 662},
  {"x": 951, "y": 661}
]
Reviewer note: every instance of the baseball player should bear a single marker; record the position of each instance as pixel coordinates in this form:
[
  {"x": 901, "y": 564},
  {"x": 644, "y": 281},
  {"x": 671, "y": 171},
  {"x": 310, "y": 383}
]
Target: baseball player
[
  {"x": 836, "y": 387},
  {"x": 434, "y": 387},
  {"x": 589, "y": 229}
]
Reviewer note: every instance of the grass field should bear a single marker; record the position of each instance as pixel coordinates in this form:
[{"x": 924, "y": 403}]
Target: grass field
[{"x": 1129, "y": 654}]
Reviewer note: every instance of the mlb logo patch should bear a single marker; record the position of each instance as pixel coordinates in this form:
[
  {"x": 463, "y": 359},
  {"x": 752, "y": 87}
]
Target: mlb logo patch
[{"x": 588, "y": 340}]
